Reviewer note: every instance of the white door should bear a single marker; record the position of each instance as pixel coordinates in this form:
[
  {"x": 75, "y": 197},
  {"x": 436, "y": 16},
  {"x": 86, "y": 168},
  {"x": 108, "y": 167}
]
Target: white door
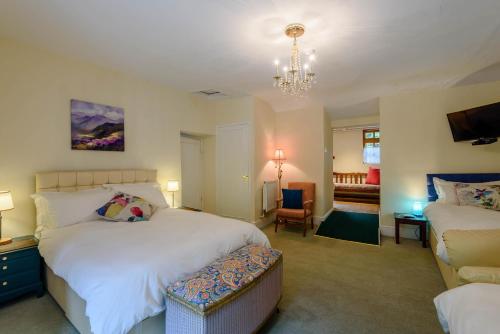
[
  {"x": 192, "y": 172},
  {"x": 232, "y": 171}
]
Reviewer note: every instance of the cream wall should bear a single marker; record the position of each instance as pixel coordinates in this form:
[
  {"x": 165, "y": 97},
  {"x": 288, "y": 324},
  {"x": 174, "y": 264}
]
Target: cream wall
[
  {"x": 327, "y": 163},
  {"x": 356, "y": 121},
  {"x": 306, "y": 140},
  {"x": 348, "y": 151},
  {"x": 260, "y": 117},
  {"x": 35, "y": 91},
  {"x": 264, "y": 168},
  {"x": 416, "y": 140}
]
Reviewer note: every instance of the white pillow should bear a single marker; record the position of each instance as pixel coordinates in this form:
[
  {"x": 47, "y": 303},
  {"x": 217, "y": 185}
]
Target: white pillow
[
  {"x": 447, "y": 193},
  {"x": 58, "y": 209},
  {"x": 151, "y": 192}
]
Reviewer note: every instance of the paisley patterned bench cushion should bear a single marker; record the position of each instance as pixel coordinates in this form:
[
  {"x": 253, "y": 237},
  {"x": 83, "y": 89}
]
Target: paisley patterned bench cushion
[{"x": 224, "y": 279}]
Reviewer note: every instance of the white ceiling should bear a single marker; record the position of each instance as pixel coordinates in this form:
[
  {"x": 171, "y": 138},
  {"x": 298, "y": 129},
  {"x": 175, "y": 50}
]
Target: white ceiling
[{"x": 365, "y": 48}]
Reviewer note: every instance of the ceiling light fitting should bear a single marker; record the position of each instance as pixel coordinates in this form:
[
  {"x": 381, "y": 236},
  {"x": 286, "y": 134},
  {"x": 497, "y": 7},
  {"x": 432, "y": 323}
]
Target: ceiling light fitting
[{"x": 296, "y": 78}]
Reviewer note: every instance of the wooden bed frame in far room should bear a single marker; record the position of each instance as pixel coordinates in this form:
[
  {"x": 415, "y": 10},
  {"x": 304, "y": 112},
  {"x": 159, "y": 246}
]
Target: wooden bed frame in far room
[
  {"x": 354, "y": 194},
  {"x": 354, "y": 178}
]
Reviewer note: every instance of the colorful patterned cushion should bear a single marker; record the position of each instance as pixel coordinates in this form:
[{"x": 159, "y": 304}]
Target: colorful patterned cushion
[
  {"x": 217, "y": 283},
  {"x": 125, "y": 207},
  {"x": 487, "y": 196}
]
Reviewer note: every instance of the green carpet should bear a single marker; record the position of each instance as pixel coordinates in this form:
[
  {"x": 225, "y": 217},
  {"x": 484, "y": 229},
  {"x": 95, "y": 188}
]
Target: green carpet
[{"x": 353, "y": 226}]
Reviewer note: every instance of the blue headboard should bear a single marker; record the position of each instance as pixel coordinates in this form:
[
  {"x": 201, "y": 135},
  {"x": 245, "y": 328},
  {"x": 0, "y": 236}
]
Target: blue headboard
[{"x": 468, "y": 178}]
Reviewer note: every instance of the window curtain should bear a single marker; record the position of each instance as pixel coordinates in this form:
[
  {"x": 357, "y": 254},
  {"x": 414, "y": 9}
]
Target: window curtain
[{"x": 371, "y": 155}]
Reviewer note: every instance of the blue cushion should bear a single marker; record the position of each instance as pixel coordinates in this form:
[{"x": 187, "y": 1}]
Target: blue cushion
[{"x": 292, "y": 198}]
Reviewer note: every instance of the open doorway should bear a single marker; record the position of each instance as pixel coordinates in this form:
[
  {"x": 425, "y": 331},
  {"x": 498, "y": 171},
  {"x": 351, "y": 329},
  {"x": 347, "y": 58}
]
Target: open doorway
[
  {"x": 192, "y": 171},
  {"x": 356, "y": 163}
]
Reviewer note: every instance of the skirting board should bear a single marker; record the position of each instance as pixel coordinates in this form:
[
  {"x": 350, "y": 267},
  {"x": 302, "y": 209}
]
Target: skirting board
[{"x": 407, "y": 232}]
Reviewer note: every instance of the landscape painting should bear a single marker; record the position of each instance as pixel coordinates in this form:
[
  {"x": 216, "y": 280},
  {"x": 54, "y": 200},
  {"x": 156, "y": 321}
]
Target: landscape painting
[{"x": 97, "y": 127}]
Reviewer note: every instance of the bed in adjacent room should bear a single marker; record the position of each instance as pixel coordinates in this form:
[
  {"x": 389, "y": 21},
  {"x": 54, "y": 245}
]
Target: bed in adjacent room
[
  {"x": 109, "y": 276},
  {"x": 446, "y": 215},
  {"x": 353, "y": 187}
]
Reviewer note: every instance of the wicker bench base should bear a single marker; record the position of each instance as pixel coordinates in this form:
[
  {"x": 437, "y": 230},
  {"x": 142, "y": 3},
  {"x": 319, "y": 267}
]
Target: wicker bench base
[{"x": 242, "y": 315}]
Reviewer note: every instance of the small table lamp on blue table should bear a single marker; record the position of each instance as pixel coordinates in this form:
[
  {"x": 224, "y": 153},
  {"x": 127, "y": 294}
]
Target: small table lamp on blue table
[
  {"x": 173, "y": 186},
  {"x": 5, "y": 204}
]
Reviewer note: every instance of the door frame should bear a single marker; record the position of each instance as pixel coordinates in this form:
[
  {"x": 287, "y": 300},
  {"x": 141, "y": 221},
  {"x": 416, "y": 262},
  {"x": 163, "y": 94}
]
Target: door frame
[
  {"x": 187, "y": 137},
  {"x": 249, "y": 166}
]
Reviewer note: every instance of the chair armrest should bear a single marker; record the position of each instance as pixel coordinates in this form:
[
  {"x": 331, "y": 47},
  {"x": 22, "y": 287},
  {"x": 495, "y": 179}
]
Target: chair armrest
[
  {"x": 470, "y": 274},
  {"x": 307, "y": 204}
]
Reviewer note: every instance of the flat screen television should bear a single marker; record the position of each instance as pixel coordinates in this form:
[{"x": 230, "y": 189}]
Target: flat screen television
[{"x": 480, "y": 125}]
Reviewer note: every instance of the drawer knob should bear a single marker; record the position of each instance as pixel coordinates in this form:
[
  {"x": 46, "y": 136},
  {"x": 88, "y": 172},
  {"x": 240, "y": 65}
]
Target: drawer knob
[
  {"x": 4, "y": 268},
  {"x": 4, "y": 258},
  {"x": 4, "y": 283}
]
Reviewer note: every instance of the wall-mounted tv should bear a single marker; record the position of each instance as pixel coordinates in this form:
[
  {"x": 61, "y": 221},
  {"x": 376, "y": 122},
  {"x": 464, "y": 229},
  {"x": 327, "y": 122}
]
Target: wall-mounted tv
[{"x": 480, "y": 125}]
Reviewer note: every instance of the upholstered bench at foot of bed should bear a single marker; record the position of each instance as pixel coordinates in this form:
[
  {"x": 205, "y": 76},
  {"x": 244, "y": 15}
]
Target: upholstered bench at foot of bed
[{"x": 235, "y": 294}]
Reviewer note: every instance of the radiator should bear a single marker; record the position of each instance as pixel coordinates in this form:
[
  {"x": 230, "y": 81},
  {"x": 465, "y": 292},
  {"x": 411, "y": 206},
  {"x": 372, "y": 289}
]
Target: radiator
[{"x": 269, "y": 196}]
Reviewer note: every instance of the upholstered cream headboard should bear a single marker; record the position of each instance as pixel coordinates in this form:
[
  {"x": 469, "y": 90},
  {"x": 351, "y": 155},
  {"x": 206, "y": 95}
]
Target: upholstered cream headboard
[{"x": 87, "y": 179}]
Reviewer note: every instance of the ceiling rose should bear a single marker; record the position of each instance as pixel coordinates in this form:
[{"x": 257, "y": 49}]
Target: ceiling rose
[{"x": 296, "y": 78}]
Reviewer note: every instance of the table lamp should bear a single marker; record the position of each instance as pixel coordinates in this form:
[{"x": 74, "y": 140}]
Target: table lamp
[
  {"x": 5, "y": 204},
  {"x": 418, "y": 209},
  {"x": 173, "y": 186}
]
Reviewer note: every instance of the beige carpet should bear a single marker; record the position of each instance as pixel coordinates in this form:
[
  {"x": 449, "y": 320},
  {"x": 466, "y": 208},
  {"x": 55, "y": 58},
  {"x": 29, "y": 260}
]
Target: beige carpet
[{"x": 330, "y": 286}]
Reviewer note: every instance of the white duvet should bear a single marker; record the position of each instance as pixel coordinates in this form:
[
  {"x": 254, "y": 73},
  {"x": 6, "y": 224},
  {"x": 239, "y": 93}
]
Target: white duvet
[
  {"x": 122, "y": 269},
  {"x": 445, "y": 217},
  {"x": 470, "y": 309}
]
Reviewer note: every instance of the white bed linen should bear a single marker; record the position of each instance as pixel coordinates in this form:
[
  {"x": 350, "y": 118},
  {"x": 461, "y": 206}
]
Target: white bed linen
[
  {"x": 470, "y": 309},
  {"x": 122, "y": 269},
  {"x": 445, "y": 217}
]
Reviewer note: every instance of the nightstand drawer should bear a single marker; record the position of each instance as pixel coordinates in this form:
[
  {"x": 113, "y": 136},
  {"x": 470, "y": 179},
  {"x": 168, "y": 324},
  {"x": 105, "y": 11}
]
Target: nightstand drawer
[
  {"x": 19, "y": 265},
  {"x": 16, "y": 281},
  {"x": 10, "y": 256}
]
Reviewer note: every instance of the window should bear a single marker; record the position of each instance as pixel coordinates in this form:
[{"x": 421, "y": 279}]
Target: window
[{"x": 371, "y": 146}]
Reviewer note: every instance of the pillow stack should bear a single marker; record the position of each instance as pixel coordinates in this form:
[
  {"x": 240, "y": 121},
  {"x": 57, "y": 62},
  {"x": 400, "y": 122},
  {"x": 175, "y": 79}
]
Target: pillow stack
[
  {"x": 485, "y": 195},
  {"x": 117, "y": 202}
]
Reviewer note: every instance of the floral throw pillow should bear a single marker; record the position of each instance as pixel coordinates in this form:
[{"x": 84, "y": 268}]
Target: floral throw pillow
[
  {"x": 487, "y": 197},
  {"x": 125, "y": 207}
]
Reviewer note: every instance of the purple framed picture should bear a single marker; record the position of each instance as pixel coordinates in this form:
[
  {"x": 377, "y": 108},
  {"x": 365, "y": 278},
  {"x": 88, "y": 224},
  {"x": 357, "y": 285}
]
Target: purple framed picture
[{"x": 97, "y": 127}]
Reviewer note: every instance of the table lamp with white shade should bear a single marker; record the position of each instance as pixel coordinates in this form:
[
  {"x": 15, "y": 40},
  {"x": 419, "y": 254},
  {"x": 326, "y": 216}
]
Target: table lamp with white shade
[
  {"x": 173, "y": 186},
  {"x": 5, "y": 204}
]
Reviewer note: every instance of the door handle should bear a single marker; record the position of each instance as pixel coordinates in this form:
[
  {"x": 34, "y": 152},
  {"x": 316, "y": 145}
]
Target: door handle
[{"x": 244, "y": 177}]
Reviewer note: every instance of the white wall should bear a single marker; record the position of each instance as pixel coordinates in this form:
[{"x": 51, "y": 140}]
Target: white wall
[
  {"x": 306, "y": 140},
  {"x": 35, "y": 90},
  {"x": 264, "y": 168},
  {"x": 347, "y": 149},
  {"x": 416, "y": 140}
]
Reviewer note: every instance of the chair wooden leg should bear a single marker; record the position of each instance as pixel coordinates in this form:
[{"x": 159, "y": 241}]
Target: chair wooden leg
[{"x": 312, "y": 223}]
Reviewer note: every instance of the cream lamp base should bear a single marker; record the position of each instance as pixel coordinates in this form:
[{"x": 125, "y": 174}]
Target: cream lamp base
[{"x": 5, "y": 241}]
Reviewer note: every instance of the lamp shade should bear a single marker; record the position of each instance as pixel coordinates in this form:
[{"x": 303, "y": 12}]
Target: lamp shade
[
  {"x": 279, "y": 154},
  {"x": 6, "y": 201},
  {"x": 172, "y": 185},
  {"x": 418, "y": 208}
]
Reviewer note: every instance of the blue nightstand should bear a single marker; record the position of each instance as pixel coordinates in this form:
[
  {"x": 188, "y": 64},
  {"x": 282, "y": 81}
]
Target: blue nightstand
[{"x": 20, "y": 268}]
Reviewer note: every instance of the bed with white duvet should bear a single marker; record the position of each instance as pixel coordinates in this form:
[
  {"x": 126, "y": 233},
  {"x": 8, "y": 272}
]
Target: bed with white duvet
[
  {"x": 121, "y": 269},
  {"x": 445, "y": 217}
]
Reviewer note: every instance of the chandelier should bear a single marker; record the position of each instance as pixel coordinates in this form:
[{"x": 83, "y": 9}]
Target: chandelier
[{"x": 296, "y": 78}]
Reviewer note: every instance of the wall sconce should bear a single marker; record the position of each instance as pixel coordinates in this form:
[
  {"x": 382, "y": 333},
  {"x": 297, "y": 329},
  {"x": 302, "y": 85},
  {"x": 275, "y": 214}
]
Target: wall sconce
[{"x": 279, "y": 160}]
